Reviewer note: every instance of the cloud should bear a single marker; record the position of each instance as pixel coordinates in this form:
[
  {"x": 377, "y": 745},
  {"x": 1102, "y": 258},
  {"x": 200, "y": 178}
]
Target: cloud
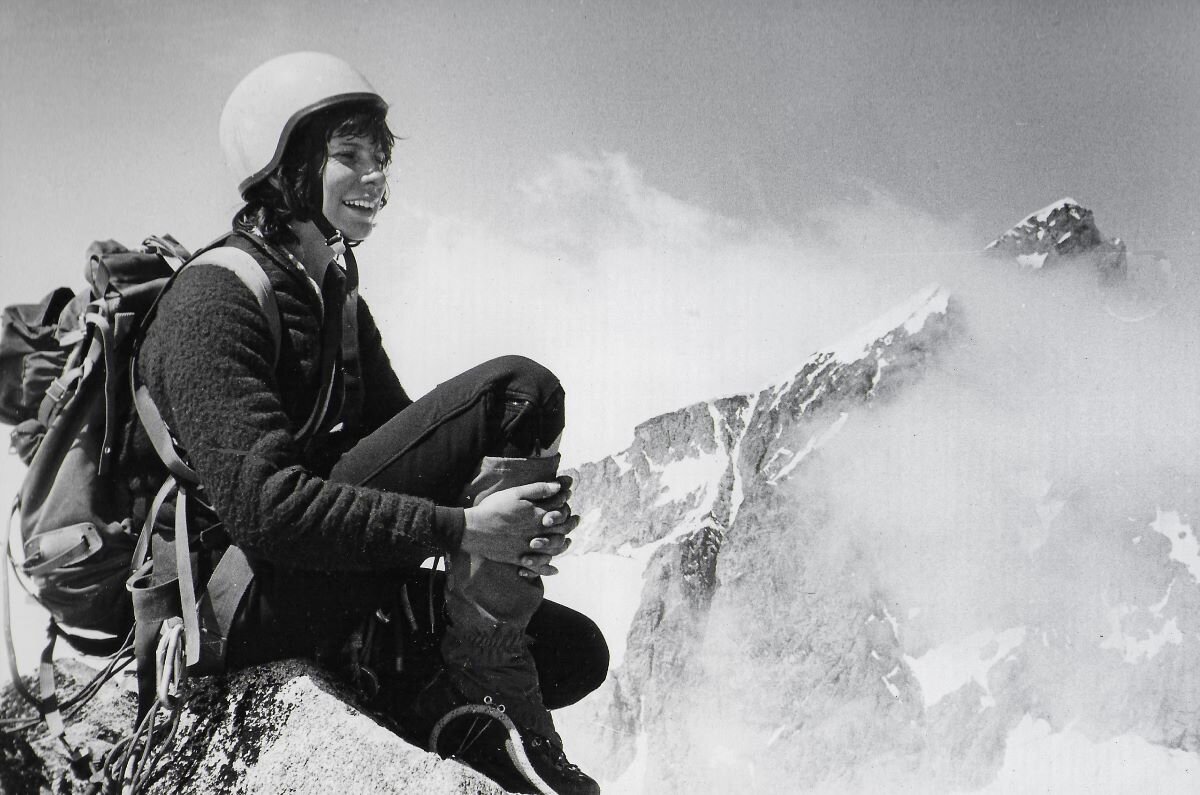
[
  {"x": 641, "y": 302},
  {"x": 1052, "y": 432}
]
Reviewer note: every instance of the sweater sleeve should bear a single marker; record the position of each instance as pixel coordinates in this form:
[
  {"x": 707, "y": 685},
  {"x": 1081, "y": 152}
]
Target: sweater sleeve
[{"x": 207, "y": 363}]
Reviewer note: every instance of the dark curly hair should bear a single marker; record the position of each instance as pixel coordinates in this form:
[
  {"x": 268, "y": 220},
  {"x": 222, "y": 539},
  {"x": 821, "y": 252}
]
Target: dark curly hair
[{"x": 293, "y": 190}]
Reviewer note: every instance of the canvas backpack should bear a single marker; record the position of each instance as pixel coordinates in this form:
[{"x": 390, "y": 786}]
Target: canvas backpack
[{"x": 66, "y": 368}]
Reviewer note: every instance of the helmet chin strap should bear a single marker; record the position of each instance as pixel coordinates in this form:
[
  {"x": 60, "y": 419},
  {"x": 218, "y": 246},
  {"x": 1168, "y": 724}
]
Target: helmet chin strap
[
  {"x": 337, "y": 242},
  {"x": 333, "y": 236}
]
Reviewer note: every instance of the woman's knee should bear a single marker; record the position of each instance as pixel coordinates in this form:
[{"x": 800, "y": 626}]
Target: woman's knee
[
  {"x": 527, "y": 404},
  {"x": 570, "y": 651},
  {"x": 523, "y": 375},
  {"x": 594, "y": 658}
]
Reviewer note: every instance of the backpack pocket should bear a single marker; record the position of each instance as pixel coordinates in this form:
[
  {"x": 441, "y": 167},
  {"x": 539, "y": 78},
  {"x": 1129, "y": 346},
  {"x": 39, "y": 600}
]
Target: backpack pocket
[{"x": 31, "y": 354}]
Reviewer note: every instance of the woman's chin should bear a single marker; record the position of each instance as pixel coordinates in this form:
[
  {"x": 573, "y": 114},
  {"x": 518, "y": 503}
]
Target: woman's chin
[{"x": 357, "y": 230}]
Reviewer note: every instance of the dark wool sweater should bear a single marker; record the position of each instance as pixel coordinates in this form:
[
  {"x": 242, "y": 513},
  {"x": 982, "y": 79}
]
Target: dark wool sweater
[{"x": 206, "y": 361}]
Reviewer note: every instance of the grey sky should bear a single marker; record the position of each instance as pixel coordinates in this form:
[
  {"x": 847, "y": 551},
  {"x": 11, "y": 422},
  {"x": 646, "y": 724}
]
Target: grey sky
[
  {"x": 755, "y": 116},
  {"x": 987, "y": 109}
]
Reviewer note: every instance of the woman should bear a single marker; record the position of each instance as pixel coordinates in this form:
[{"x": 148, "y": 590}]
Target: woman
[{"x": 336, "y": 486}]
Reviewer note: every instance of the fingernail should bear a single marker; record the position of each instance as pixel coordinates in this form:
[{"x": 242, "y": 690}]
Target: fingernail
[
  {"x": 538, "y": 543},
  {"x": 526, "y": 561}
]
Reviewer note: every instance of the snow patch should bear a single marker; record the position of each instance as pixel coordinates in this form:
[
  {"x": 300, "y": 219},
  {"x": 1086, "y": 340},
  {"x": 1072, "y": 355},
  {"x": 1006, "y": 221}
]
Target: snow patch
[
  {"x": 604, "y": 586},
  {"x": 1158, "y": 606},
  {"x": 588, "y": 518},
  {"x": 738, "y": 492},
  {"x": 946, "y": 668},
  {"x": 913, "y": 612},
  {"x": 1033, "y": 261},
  {"x": 887, "y": 682},
  {"x": 911, "y": 315},
  {"x": 1042, "y": 215},
  {"x": 1184, "y": 546},
  {"x": 815, "y": 442},
  {"x": 1137, "y": 650},
  {"x": 1038, "y": 759},
  {"x": 681, "y": 479}
]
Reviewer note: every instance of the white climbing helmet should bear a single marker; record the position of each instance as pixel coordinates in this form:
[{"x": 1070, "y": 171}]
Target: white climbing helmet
[{"x": 266, "y": 106}]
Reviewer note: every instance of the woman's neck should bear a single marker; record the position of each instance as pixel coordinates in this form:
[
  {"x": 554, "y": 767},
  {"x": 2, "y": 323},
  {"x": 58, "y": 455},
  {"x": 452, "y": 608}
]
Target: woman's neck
[{"x": 310, "y": 248}]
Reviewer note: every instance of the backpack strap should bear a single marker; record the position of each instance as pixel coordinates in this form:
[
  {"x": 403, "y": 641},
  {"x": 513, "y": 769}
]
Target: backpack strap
[
  {"x": 246, "y": 268},
  {"x": 208, "y": 619},
  {"x": 230, "y": 580},
  {"x": 255, "y": 279},
  {"x": 339, "y": 342}
]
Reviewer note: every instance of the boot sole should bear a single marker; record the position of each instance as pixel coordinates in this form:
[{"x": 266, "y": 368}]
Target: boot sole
[{"x": 513, "y": 744}]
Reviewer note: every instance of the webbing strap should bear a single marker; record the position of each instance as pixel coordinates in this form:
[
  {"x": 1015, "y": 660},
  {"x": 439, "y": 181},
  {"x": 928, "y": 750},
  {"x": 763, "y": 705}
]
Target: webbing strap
[
  {"x": 352, "y": 400},
  {"x": 83, "y": 539},
  {"x": 74, "y": 371},
  {"x": 255, "y": 278},
  {"x": 252, "y": 275},
  {"x": 223, "y": 595},
  {"x": 142, "y": 550},
  {"x": 10, "y": 652},
  {"x": 331, "y": 339},
  {"x": 160, "y": 435},
  {"x": 233, "y": 573},
  {"x": 111, "y": 385},
  {"x": 187, "y": 587},
  {"x": 46, "y": 689}
]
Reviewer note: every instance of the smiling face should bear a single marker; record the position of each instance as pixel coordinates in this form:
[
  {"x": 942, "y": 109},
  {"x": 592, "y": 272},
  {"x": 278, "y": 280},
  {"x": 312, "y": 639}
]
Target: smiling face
[{"x": 353, "y": 184}]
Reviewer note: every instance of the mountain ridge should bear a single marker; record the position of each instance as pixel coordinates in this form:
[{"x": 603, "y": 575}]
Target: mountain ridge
[{"x": 727, "y": 506}]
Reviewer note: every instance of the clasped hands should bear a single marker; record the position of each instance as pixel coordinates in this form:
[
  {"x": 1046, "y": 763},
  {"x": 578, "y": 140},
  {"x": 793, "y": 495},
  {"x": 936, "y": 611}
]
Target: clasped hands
[{"x": 525, "y": 526}]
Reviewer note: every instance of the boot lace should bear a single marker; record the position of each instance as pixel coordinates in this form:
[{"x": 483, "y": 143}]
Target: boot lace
[{"x": 554, "y": 754}]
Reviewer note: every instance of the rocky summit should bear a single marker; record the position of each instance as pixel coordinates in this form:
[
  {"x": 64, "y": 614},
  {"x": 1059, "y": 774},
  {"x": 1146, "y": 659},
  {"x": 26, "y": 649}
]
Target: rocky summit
[
  {"x": 1060, "y": 231},
  {"x": 287, "y": 727}
]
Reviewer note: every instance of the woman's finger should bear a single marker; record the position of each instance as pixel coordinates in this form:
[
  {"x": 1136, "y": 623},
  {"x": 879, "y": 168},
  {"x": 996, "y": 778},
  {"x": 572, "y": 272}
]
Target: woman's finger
[
  {"x": 556, "y": 516},
  {"x": 536, "y": 566},
  {"x": 553, "y": 544}
]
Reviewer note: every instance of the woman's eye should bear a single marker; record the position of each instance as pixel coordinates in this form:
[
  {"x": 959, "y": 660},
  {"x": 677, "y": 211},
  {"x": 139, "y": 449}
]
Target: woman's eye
[{"x": 359, "y": 160}]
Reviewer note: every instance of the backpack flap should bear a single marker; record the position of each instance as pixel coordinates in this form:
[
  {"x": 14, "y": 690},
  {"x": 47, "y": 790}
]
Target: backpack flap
[
  {"x": 111, "y": 267},
  {"x": 57, "y": 549}
]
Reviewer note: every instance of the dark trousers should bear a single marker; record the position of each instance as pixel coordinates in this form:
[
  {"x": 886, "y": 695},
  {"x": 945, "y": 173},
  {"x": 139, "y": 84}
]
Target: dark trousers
[{"x": 506, "y": 407}]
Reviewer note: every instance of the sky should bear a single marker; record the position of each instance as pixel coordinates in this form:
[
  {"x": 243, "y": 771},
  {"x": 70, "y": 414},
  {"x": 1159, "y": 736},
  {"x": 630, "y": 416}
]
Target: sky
[{"x": 662, "y": 201}]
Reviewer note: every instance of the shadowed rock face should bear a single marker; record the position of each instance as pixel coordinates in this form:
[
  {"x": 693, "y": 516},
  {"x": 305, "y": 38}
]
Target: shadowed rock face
[{"x": 766, "y": 656}]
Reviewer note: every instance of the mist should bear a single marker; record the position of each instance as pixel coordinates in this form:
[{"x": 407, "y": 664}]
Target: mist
[
  {"x": 1054, "y": 420},
  {"x": 1004, "y": 542},
  {"x": 640, "y": 301}
]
